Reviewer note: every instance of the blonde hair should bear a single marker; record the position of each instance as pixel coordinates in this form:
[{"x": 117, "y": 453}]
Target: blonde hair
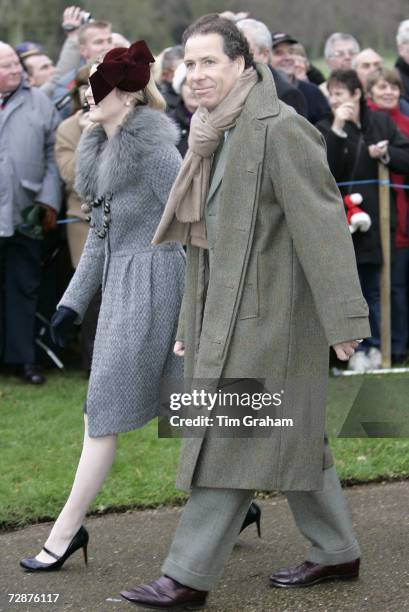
[{"x": 149, "y": 95}]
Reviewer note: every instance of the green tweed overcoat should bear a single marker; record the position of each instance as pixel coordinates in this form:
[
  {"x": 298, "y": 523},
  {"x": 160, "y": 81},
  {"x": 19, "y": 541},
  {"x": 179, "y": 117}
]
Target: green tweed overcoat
[{"x": 283, "y": 288}]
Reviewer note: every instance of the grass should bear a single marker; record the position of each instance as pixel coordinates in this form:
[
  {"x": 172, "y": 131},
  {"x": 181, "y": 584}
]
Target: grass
[{"x": 41, "y": 437}]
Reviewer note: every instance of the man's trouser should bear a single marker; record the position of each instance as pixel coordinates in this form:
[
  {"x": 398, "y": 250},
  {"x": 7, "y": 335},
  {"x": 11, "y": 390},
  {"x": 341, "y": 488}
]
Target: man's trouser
[
  {"x": 212, "y": 518},
  {"x": 20, "y": 267}
]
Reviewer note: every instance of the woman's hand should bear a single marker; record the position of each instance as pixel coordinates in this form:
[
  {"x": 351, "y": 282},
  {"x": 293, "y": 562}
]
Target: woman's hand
[
  {"x": 378, "y": 150},
  {"x": 179, "y": 349},
  {"x": 344, "y": 112}
]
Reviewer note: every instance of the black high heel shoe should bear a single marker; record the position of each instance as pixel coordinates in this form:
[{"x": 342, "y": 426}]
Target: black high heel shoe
[
  {"x": 80, "y": 540},
  {"x": 253, "y": 516}
]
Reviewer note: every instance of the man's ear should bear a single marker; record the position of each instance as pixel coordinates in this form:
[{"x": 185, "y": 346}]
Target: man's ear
[{"x": 240, "y": 63}]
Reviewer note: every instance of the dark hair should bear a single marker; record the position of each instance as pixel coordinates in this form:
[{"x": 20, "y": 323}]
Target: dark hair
[
  {"x": 347, "y": 78},
  {"x": 234, "y": 42}
]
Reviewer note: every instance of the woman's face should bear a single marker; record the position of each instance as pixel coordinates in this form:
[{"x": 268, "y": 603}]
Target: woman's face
[
  {"x": 384, "y": 94},
  {"x": 339, "y": 94},
  {"x": 189, "y": 97},
  {"x": 109, "y": 109}
]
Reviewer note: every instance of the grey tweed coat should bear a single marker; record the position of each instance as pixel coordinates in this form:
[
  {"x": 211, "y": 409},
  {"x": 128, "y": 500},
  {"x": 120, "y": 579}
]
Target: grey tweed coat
[{"x": 142, "y": 285}]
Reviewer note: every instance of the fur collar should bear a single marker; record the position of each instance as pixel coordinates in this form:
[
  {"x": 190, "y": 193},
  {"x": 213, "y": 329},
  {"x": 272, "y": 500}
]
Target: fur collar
[{"x": 108, "y": 165}]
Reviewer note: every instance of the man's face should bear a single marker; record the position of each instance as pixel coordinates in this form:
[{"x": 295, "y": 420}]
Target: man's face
[
  {"x": 403, "y": 50},
  {"x": 209, "y": 71},
  {"x": 40, "y": 69},
  {"x": 367, "y": 62},
  {"x": 343, "y": 52},
  {"x": 283, "y": 59},
  {"x": 97, "y": 42},
  {"x": 10, "y": 70},
  {"x": 259, "y": 55},
  {"x": 168, "y": 74}
]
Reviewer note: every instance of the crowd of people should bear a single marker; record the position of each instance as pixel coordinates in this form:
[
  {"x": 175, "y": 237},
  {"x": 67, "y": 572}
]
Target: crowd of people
[{"x": 361, "y": 109}]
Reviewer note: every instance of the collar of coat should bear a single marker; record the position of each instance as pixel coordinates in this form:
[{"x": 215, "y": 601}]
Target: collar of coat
[
  {"x": 262, "y": 101},
  {"x": 110, "y": 165}
]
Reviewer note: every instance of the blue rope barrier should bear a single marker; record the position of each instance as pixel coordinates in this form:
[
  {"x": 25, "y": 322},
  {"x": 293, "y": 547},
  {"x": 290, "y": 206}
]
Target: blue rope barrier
[{"x": 343, "y": 184}]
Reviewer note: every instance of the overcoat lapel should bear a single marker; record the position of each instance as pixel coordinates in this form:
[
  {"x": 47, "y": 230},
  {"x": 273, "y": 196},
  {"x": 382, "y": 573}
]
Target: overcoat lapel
[{"x": 236, "y": 221}]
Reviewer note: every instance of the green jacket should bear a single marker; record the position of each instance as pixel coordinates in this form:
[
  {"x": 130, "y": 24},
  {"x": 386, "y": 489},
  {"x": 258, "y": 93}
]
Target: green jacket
[{"x": 283, "y": 288}]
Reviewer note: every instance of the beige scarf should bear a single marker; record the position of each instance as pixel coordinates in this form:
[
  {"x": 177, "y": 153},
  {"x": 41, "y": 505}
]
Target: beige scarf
[{"x": 182, "y": 218}]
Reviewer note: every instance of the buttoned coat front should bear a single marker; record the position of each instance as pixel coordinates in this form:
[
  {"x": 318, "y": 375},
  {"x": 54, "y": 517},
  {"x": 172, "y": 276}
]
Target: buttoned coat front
[{"x": 283, "y": 287}]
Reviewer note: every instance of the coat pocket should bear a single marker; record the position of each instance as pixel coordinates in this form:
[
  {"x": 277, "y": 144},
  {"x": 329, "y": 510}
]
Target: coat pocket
[
  {"x": 250, "y": 303},
  {"x": 357, "y": 307}
]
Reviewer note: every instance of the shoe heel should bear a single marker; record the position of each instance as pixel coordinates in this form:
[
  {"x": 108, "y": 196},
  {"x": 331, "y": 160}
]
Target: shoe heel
[
  {"x": 85, "y": 551},
  {"x": 258, "y": 526}
]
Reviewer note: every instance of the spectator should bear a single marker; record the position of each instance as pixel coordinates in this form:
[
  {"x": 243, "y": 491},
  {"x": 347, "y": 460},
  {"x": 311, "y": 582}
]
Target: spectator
[
  {"x": 183, "y": 111},
  {"x": 66, "y": 143},
  {"x": 39, "y": 67},
  {"x": 120, "y": 41},
  {"x": 383, "y": 90},
  {"x": 366, "y": 62},
  {"x": 303, "y": 68},
  {"x": 282, "y": 58},
  {"x": 301, "y": 63},
  {"x": 357, "y": 140},
  {"x": 30, "y": 192},
  {"x": 260, "y": 42},
  {"x": 95, "y": 39},
  {"x": 402, "y": 63},
  {"x": 170, "y": 61},
  {"x": 339, "y": 51}
]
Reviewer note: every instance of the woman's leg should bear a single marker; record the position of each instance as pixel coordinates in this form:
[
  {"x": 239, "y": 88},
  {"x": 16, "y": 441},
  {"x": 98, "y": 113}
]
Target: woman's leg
[{"x": 95, "y": 463}]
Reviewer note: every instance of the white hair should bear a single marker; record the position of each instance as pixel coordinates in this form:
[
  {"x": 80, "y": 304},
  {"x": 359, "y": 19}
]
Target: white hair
[
  {"x": 335, "y": 37},
  {"x": 402, "y": 35},
  {"x": 260, "y": 34},
  {"x": 357, "y": 58}
]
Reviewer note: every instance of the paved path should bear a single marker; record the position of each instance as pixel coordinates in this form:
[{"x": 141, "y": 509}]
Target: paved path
[{"x": 126, "y": 549}]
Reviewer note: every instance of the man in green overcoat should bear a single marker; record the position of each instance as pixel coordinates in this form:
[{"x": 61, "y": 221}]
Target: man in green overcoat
[{"x": 271, "y": 283}]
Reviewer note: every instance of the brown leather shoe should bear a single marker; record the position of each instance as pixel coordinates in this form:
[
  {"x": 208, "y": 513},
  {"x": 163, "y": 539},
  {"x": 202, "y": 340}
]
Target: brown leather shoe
[
  {"x": 165, "y": 594},
  {"x": 309, "y": 573}
]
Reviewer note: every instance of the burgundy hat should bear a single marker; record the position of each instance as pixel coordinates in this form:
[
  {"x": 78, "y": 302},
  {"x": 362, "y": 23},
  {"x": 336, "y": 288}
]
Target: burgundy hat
[{"x": 127, "y": 69}]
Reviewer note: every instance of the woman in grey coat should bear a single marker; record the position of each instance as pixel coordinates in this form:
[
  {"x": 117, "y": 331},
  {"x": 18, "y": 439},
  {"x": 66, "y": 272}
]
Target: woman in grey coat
[{"x": 126, "y": 166}]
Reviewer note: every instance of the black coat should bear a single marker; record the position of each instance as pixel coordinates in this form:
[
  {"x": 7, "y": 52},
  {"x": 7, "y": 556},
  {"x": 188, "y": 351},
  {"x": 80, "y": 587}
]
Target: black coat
[
  {"x": 181, "y": 117},
  {"x": 317, "y": 104},
  {"x": 288, "y": 93},
  {"x": 403, "y": 68},
  {"x": 349, "y": 160}
]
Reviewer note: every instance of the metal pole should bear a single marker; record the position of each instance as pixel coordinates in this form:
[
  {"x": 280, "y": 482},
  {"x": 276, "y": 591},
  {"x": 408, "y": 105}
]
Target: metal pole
[{"x": 384, "y": 218}]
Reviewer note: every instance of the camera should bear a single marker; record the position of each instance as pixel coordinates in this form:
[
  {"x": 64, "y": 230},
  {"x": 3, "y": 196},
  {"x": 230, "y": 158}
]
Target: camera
[{"x": 86, "y": 17}]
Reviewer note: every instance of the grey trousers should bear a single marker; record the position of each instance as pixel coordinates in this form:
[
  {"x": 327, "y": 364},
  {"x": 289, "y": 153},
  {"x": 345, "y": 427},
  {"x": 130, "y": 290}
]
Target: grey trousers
[{"x": 211, "y": 521}]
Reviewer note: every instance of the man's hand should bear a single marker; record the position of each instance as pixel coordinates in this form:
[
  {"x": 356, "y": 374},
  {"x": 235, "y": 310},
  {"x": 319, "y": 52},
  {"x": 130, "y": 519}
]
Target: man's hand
[
  {"x": 345, "y": 350},
  {"x": 49, "y": 219},
  {"x": 72, "y": 19},
  {"x": 179, "y": 349}
]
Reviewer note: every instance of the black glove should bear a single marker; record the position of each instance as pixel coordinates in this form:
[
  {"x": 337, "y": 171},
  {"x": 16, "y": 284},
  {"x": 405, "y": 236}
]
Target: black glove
[{"x": 62, "y": 322}]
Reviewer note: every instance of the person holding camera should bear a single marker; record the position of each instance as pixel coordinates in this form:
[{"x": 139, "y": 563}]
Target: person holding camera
[{"x": 89, "y": 39}]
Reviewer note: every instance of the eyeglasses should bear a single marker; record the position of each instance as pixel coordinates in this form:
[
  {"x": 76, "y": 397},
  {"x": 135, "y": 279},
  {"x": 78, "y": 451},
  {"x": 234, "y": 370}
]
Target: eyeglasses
[{"x": 347, "y": 53}]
